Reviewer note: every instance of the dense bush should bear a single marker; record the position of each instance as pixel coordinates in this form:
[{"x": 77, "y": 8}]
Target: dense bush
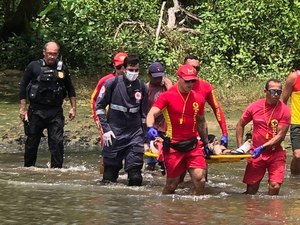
[
  {"x": 236, "y": 39},
  {"x": 250, "y": 38}
]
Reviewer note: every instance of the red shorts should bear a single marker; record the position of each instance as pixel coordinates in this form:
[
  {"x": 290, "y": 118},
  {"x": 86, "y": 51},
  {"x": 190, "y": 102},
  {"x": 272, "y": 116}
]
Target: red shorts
[
  {"x": 178, "y": 162},
  {"x": 273, "y": 161}
]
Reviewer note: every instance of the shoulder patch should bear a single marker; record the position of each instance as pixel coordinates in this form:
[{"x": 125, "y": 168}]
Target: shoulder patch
[{"x": 102, "y": 91}]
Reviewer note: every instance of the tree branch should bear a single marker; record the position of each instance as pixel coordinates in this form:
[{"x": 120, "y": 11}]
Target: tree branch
[
  {"x": 190, "y": 14},
  {"x": 188, "y": 30},
  {"x": 160, "y": 19},
  {"x": 171, "y": 15}
]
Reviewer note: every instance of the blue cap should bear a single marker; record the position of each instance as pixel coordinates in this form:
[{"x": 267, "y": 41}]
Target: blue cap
[{"x": 156, "y": 70}]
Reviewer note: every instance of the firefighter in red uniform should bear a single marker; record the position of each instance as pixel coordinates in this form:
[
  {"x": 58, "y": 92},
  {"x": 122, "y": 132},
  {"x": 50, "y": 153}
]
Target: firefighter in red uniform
[
  {"x": 183, "y": 110},
  {"x": 206, "y": 90},
  {"x": 118, "y": 70}
]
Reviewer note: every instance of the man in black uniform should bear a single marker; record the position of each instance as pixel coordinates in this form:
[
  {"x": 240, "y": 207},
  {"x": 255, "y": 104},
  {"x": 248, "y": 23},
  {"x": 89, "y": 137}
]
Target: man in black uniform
[
  {"x": 46, "y": 82},
  {"x": 123, "y": 125}
]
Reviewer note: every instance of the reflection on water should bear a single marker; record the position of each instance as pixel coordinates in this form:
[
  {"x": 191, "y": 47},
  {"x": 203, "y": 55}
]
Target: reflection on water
[{"x": 73, "y": 195}]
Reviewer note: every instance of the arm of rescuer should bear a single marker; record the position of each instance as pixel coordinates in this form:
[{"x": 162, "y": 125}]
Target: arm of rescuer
[
  {"x": 202, "y": 129},
  {"x": 152, "y": 114},
  {"x": 23, "y": 110},
  {"x": 94, "y": 97},
  {"x": 215, "y": 105},
  {"x": 289, "y": 85},
  {"x": 26, "y": 78},
  {"x": 103, "y": 100},
  {"x": 72, "y": 112},
  {"x": 239, "y": 133},
  {"x": 278, "y": 138},
  {"x": 93, "y": 102},
  {"x": 71, "y": 93}
]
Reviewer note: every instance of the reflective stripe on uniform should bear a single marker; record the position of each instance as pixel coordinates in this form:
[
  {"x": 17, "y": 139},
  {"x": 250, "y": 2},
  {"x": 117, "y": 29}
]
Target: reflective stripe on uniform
[
  {"x": 124, "y": 109},
  {"x": 100, "y": 112}
]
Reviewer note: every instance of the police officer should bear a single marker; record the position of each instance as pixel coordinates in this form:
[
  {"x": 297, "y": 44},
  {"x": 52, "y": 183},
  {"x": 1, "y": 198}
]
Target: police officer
[
  {"x": 122, "y": 125},
  {"x": 46, "y": 82}
]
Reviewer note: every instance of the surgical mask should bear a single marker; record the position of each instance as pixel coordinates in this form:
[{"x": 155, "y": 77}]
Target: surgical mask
[{"x": 131, "y": 76}]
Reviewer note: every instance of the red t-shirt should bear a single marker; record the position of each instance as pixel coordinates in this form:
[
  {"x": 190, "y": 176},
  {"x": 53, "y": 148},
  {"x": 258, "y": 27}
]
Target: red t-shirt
[
  {"x": 180, "y": 120},
  {"x": 205, "y": 89},
  {"x": 266, "y": 119}
]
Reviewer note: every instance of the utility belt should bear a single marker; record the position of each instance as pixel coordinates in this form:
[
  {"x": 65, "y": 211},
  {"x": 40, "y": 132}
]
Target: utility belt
[{"x": 181, "y": 146}]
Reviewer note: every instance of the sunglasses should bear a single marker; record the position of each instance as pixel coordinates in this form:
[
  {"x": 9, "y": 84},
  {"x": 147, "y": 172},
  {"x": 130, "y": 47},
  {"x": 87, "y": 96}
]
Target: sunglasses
[
  {"x": 275, "y": 91},
  {"x": 197, "y": 68},
  {"x": 119, "y": 67},
  {"x": 189, "y": 81}
]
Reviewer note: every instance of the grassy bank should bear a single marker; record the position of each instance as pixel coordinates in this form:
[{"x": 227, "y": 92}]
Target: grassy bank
[{"x": 83, "y": 132}]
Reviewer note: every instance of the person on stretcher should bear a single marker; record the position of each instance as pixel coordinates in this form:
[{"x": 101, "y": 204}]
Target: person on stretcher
[{"x": 215, "y": 147}]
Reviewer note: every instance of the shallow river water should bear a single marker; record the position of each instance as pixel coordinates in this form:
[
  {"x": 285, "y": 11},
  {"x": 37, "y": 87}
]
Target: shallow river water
[{"x": 72, "y": 195}]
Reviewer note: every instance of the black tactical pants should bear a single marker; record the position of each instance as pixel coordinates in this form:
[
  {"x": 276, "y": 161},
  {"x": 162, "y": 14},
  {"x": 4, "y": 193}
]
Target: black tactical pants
[{"x": 53, "y": 121}]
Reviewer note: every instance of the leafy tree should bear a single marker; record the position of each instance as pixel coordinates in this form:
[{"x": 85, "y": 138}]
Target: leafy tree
[{"x": 236, "y": 40}]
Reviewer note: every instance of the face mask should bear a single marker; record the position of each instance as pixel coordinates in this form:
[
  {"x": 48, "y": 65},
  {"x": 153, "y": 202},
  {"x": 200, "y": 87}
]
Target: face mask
[{"x": 131, "y": 76}]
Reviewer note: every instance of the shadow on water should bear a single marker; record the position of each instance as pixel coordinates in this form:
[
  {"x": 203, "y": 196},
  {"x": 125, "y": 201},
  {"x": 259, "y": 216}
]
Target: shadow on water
[{"x": 73, "y": 195}]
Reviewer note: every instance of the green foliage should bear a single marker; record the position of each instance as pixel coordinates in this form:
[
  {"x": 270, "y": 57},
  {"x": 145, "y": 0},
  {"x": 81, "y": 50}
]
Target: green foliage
[
  {"x": 14, "y": 56},
  {"x": 237, "y": 40},
  {"x": 249, "y": 38},
  {"x": 86, "y": 30}
]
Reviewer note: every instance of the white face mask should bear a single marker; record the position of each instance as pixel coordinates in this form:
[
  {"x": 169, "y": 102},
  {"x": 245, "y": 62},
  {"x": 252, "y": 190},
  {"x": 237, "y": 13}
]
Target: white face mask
[{"x": 131, "y": 76}]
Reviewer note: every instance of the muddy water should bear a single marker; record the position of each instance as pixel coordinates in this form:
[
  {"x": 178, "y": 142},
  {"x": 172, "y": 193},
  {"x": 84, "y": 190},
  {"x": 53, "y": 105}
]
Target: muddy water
[{"x": 72, "y": 195}]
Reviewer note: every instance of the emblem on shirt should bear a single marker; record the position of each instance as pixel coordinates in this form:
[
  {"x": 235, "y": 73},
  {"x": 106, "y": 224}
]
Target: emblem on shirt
[
  {"x": 274, "y": 125},
  {"x": 61, "y": 74},
  {"x": 196, "y": 106},
  {"x": 138, "y": 96},
  {"x": 196, "y": 109}
]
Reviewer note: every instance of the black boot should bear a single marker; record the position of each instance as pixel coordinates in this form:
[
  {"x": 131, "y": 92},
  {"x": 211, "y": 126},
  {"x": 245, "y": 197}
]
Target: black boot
[
  {"x": 110, "y": 174},
  {"x": 135, "y": 177}
]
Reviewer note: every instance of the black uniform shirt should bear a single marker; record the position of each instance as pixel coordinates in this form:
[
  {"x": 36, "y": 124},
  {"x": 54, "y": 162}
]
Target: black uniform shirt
[{"x": 33, "y": 70}]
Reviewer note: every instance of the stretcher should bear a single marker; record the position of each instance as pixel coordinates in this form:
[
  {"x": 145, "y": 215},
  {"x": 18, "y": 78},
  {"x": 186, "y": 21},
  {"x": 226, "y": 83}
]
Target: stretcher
[{"x": 222, "y": 158}]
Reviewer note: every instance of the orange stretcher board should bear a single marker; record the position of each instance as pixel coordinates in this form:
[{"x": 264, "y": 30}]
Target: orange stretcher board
[{"x": 228, "y": 158}]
